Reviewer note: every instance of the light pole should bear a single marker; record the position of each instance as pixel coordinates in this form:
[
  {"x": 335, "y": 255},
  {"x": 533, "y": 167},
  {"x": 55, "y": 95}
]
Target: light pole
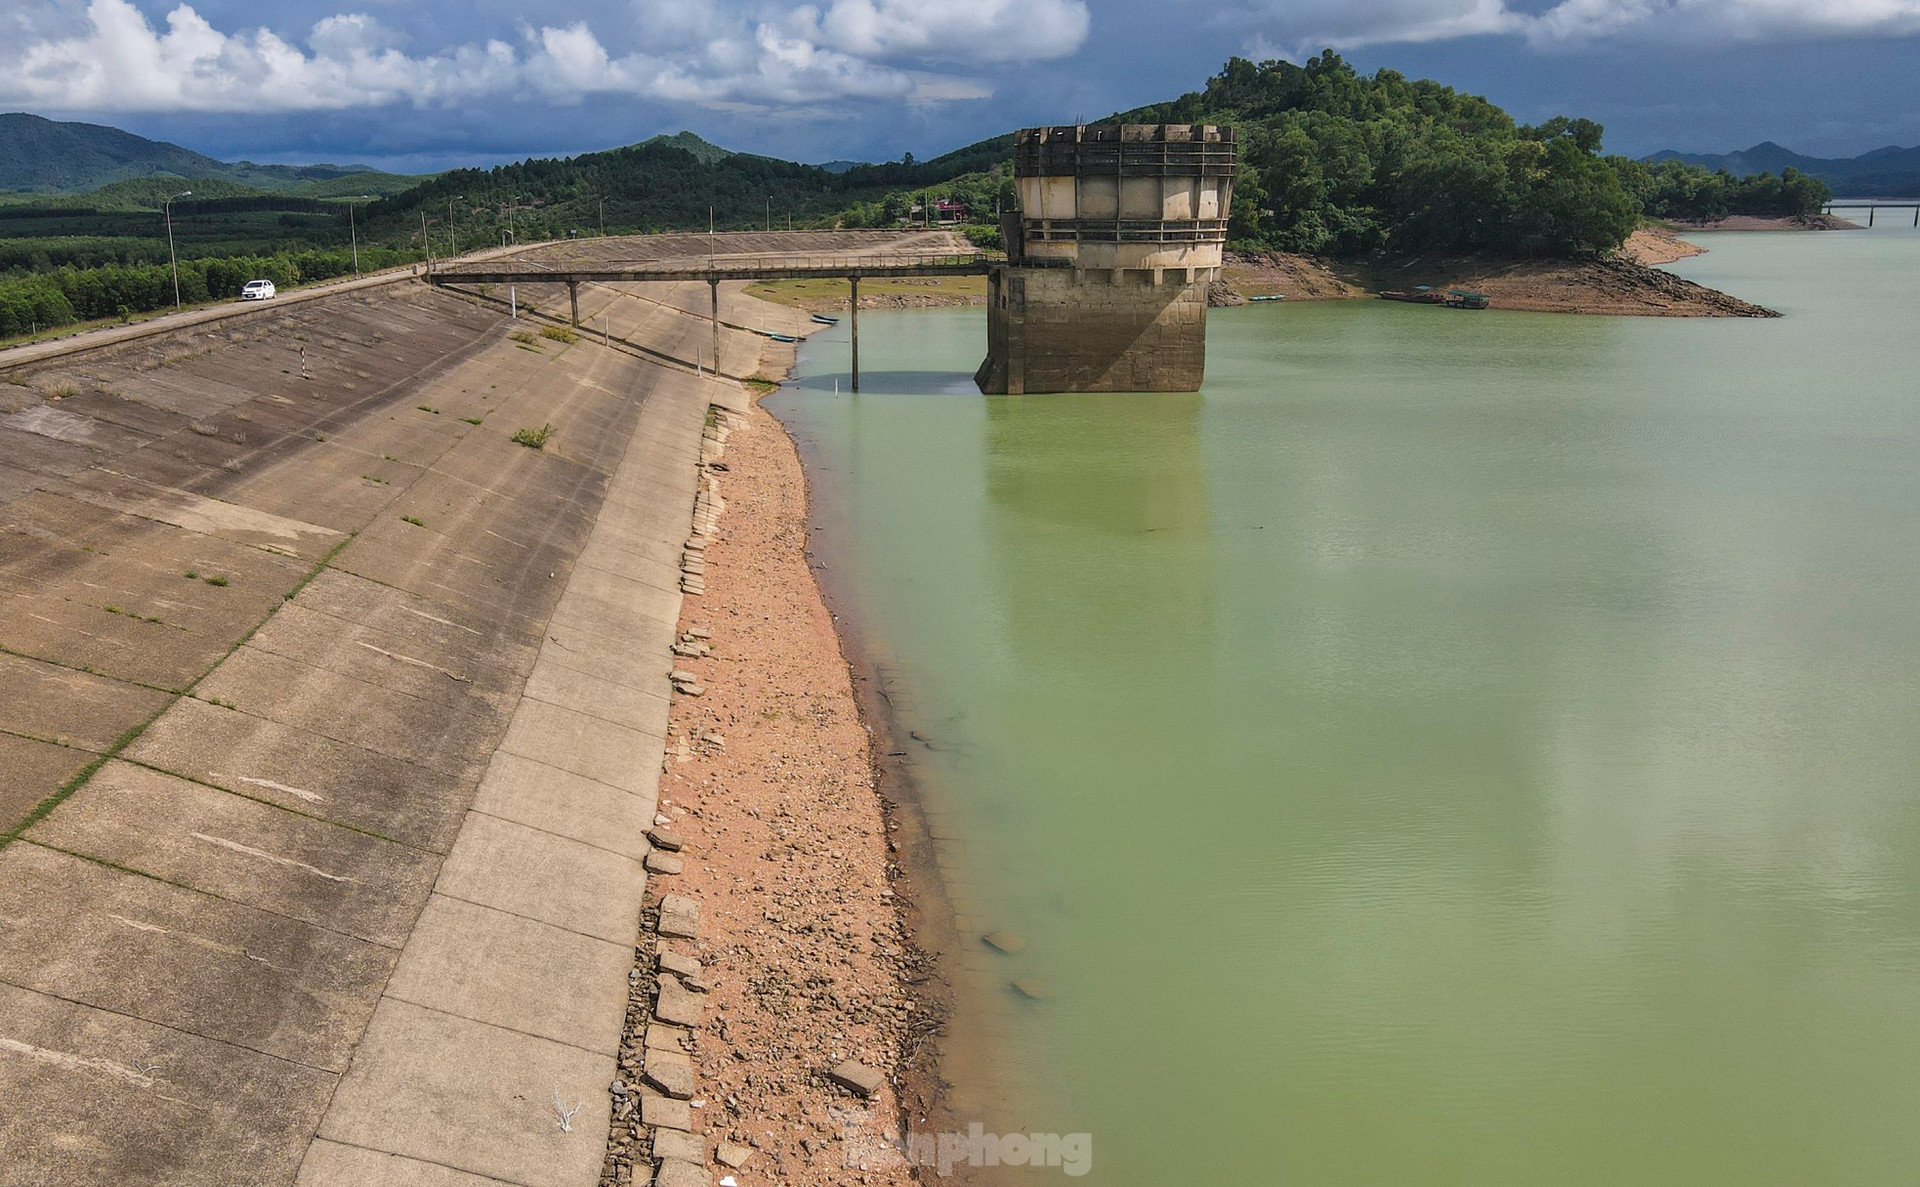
[
  {"x": 173, "y": 261},
  {"x": 451, "y": 241},
  {"x": 426, "y": 241},
  {"x": 603, "y": 216},
  {"x": 354, "y": 232}
]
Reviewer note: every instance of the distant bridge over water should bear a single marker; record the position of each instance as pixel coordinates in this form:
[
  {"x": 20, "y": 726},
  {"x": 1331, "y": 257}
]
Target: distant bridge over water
[
  {"x": 853, "y": 268},
  {"x": 1872, "y": 207}
]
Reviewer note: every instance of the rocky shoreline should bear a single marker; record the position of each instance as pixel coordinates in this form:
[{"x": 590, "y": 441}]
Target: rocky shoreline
[
  {"x": 1627, "y": 284},
  {"x": 1624, "y": 285},
  {"x": 782, "y": 1023},
  {"x": 1768, "y": 222}
]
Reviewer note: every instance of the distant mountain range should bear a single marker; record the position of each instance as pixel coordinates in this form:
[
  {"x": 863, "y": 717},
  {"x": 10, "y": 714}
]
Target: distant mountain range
[
  {"x": 1884, "y": 172},
  {"x": 43, "y": 156}
]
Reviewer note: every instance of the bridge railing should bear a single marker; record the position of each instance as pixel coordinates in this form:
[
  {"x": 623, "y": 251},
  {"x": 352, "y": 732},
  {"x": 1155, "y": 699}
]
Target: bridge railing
[
  {"x": 739, "y": 263},
  {"x": 819, "y": 262}
]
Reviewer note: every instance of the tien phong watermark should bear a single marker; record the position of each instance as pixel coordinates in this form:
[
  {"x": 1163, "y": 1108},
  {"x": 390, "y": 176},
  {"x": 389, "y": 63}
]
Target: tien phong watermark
[{"x": 1072, "y": 1153}]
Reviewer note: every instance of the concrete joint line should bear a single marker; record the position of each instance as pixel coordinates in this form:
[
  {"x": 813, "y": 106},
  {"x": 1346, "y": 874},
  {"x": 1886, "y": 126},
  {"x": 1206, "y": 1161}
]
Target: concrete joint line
[
  {"x": 593, "y": 717},
  {"x": 572, "y": 931},
  {"x": 561, "y": 836}
]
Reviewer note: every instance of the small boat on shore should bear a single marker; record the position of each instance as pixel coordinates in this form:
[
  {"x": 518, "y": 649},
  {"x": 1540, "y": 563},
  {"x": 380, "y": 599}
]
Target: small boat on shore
[
  {"x": 1424, "y": 294},
  {"x": 783, "y": 337},
  {"x": 824, "y": 320}
]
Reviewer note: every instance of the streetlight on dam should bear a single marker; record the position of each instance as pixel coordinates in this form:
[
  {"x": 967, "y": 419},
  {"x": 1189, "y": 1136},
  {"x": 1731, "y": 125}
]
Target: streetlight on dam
[
  {"x": 173, "y": 261},
  {"x": 452, "y": 241}
]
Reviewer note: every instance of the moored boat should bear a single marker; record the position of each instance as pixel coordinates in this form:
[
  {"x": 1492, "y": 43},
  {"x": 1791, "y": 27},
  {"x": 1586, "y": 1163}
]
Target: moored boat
[
  {"x": 1424, "y": 294},
  {"x": 824, "y": 320}
]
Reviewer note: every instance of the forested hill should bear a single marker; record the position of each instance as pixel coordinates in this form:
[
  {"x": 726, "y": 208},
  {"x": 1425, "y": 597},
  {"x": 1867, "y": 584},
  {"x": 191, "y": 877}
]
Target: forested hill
[
  {"x": 666, "y": 183},
  {"x": 1342, "y": 163},
  {"x": 44, "y": 156}
]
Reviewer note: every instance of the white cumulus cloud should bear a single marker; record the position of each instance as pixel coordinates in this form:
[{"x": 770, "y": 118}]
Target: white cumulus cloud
[
  {"x": 1301, "y": 26},
  {"x": 973, "y": 30},
  {"x": 756, "y": 55},
  {"x": 121, "y": 62}
]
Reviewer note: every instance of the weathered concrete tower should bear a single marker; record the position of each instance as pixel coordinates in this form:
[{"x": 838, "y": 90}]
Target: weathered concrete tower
[{"x": 1119, "y": 231}]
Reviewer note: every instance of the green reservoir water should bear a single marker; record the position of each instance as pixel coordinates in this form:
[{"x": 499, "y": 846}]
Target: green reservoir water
[{"x": 1452, "y": 748}]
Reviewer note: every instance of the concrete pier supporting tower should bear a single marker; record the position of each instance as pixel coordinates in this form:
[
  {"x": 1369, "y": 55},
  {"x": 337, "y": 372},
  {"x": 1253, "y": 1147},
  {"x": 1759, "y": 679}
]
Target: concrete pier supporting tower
[{"x": 1119, "y": 232}]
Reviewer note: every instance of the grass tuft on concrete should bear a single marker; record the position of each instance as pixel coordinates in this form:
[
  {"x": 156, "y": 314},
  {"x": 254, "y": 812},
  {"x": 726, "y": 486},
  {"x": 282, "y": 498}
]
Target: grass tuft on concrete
[{"x": 534, "y": 438}]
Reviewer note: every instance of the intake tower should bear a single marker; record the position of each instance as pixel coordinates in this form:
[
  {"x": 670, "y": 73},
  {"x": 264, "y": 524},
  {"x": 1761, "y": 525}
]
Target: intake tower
[{"x": 1120, "y": 230}]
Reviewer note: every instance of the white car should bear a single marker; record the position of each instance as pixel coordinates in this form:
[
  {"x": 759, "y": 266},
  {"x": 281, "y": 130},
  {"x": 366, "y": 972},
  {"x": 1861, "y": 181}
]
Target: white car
[{"x": 257, "y": 290}]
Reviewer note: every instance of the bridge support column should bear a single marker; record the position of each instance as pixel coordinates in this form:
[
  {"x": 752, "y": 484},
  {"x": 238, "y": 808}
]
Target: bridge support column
[
  {"x": 713, "y": 291},
  {"x": 853, "y": 316},
  {"x": 573, "y": 296}
]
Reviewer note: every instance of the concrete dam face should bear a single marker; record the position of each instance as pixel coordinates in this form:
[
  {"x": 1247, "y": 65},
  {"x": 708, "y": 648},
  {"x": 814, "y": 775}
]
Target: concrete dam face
[{"x": 1119, "y": 232}]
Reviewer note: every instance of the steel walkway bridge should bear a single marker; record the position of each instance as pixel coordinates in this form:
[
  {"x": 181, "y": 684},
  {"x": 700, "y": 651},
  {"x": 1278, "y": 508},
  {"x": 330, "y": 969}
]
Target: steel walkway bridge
[{"x": 714, "y": 269}]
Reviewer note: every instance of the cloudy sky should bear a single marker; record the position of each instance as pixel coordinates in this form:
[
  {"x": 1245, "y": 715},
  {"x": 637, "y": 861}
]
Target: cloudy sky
[{"x": 432, "y": 83}]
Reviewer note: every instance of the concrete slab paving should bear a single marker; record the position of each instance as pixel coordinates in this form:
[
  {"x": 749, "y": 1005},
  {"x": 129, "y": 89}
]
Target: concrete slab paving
[
  {"x": 209, "y": 516},
  {"x": 429, "y": 733},
  {"x": 332, "y": 1164},
  {"x": 109, "y": 634},
  {"x": 641, "y": 709},
  {"x": 30, "y": 771},
  {"x": 477, "y": 1098},
  {"x": 517, "y": 596},
  {"x": 244, "y": 851},
  {"x": 552, "y": 800},
  {"x": 621, "y": 595},
  {"x": 544, "y": 876},
  {"x": 140, "y": 947},
  {"x": 96, "y": 1097},
  {"x": 400, "y": 662},
  {"x": 490, "y": 966},
  {"x": 612, "y": 605},
  {"x": 638, "y": 658},
  {"x": 69, "y": 707},
  {"x": 306, "y": 772},
  {"x": 637, "y": 558},
  {"x": 349, "y": 598},
  {"x": 585, "y": 745}
]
